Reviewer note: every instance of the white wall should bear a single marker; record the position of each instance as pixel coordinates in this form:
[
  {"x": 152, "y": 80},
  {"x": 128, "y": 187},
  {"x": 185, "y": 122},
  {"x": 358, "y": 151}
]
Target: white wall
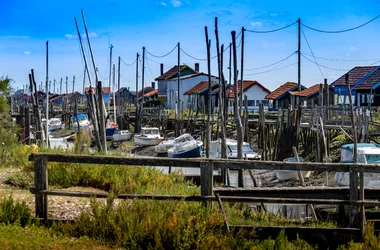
[{"x": 185, "y": 85}]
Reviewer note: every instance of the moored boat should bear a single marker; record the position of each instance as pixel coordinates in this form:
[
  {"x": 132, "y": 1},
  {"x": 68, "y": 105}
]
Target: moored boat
[
  {"x": 149, "y": 136},
  {"x": 248, "y": 153},
  {"x": 185, "y": 146},
  {"x": 284, "y": 175},
  {"x": 367, "y": 154},
  {"x": 121, "y": 135},
  {"x": 54, "y": 124},
  {"x": 81, "y": 122},
  {"x": 164, "y": 146}
]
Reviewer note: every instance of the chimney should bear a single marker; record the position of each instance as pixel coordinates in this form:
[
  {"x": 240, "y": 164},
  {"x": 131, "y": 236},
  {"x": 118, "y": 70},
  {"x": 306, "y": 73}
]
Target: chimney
[
  {"x": 153, "y": 85},
  {"x": 161, "y": 69},
  {"x": 196, "y": 67}
]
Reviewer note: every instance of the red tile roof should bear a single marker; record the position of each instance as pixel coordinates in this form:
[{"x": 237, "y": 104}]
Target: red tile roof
[
  {"x": 281, "y": 90},
  {"x": 151, "y": 93},
  {"x": 171, "y": 72},
  {"x": 146, "y": 90},
  {"x": 355, "y": 75},
  {"x": 309, "y": 91},
  {"x": 247, "y": 84},
  {"x": 200, "y": 88},
  {"x": 370, "y": 81}
]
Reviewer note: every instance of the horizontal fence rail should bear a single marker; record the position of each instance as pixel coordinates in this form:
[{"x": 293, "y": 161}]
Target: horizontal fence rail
[
  {"x": 217, "y": 163},
  {"x": 342, "y": 196}
]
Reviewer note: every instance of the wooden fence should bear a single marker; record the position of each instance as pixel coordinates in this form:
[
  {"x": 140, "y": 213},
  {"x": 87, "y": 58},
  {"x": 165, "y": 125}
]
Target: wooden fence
[{"x": 299, "y": 195}]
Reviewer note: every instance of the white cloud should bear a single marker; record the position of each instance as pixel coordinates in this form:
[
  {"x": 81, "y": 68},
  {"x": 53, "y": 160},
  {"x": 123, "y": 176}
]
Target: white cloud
[
  {"x": 163, "y": 4},
  {"x": 90, "y": 34},
  {"x": 348, "y": 54},
  {"x": 70, "y": 36},
  {"x": 256, "y": 24},
  {"x": 353, "y": 48},
  {"x": 176, "y": 3},
  {"x": 27, "y": 52},
  {"x": 273, "y": 14}
]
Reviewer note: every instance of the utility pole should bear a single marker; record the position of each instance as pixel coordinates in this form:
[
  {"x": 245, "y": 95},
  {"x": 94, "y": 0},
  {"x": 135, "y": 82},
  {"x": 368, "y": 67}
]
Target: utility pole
[
  {"x": 47, "y": 94},
  {"x": 118, "y": 85},
  {"x": 178, "y": 103},
  {"x": 113, "y": 93},
  {"x": 299, "y": 59},
  {"x": 54, "y": 87},
  {"x": 73, "y": 83},
  {"x": 241, "y": 70},
  {"x": 67, "y": 82},
  {"x": 109, "y": 78},
  {"x": 142, "y": 85},
  {"x": 60, "y": 91},
  {"x": 208, "y": 135},
  {"x": 137, "y": 116}
]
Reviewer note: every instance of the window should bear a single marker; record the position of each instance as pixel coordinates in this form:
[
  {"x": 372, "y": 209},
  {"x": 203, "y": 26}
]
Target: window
[
  {"x": 251, "y": 102},
  {"x": 257, "y": 102},
  {"x": 265, "y": 102}
]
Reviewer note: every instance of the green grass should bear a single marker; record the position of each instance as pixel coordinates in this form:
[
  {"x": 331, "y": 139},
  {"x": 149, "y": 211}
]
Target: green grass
[{"x": 34, "y": 237}]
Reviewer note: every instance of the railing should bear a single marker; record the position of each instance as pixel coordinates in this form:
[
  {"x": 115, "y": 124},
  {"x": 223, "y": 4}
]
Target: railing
[{"x": 334, "y": 195}]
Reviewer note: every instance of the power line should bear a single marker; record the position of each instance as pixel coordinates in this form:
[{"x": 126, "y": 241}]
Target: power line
[
  {"x": 267, "y": 66},
  {"x": 162, "y": 55},
  {"x": 270, "y": 31},
  {"x": 147, "y": 63},
  {"x": 198, "y": 59},
  {"x": 307, "y": 42},
  {"x": 267, "y": 71},
  {"x": 128, "y": 64},
  {"x": 102, "y": 76},
  {"x": 152, "y": 60},
  {"x": 341, "y": 31},
  {"x": 322, "y": 65},
  {"x": 344, "y": 60}
]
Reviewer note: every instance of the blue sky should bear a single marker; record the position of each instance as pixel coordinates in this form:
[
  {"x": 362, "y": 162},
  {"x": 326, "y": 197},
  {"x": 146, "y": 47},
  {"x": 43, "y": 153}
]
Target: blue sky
[{"x": 160, "y": 24}]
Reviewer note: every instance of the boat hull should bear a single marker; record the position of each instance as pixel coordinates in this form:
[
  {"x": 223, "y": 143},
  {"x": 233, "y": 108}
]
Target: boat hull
[
  {"x": 284, "y": 175},
  {"x": 192, "y": 153},
  {"x": 146, "y": 141},
  {"x": 121, "y": 137}
]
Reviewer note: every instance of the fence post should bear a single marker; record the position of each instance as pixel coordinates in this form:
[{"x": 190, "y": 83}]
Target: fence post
[
  {"x": 40, "y": 184},
  {"x": 207, "y": 179},
  {"x": 354, "y": 183}
]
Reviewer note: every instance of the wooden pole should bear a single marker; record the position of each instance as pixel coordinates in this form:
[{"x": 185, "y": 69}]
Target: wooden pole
[
  {"x": 120, "y": 109},
  {"x": 207, "y": 179},
  {"x": 110, "y": 79},
  {"x": 142, "y": 85},
  {"x": 102, "y": 123},
  {"x": 239, "y": 126},
  {"x": 353, "y": 171},
  {"x": 37, "y": 110},
  {"x": 27, "y": 125},
  {"x": 137, "y": 113},
  {"x": 299, "y": 60},
  {"x": 241, "y": 71},
  {"x": 47, "y": 95},
  {"x": 113, "y": 95},
  {"x": 41, "y": 184},
  {"x": 208, "y": 131}
]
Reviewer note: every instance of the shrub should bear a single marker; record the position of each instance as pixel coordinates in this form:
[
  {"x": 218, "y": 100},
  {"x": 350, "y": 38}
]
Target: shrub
[{"x": 12, "y": 212}]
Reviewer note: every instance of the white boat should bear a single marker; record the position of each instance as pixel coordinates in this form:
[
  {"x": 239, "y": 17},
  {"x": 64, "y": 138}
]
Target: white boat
[
  {"x": 148, "y": 137},
  {"x": 121, "y": 135},
  {"x": 84, "y": 123},
  {"x": 368, "y": 154},
  {"x": 164, "y": 146},
  {"x": 248, "y": 153},
  {"x": 185, "y": 146},
  {"x": 284, "y": 175},
  {"x": 54, "y": 124}
]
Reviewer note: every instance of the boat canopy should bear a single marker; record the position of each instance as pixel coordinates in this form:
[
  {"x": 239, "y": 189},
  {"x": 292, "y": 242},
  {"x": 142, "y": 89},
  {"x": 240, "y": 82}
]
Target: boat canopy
[{"x": 80, "y": 117}]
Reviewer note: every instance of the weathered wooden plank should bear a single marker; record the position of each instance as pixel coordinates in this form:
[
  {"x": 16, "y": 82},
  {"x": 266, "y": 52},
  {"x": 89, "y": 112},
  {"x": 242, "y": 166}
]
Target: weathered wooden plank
[
  {"x": 217, "y": 163},
  {"x": 41, "y": 183}
]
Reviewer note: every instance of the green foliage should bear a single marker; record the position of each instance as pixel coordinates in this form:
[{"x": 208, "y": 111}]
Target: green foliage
[
  {"x": 21, "y": 179},
  {"x": 139, "y": 224},
  {"x": 12, "y": 212},
  {"x": 119, "y": 179},
  {"x": 371, "y": 241},
  {"x": 34, "y": 237}
]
